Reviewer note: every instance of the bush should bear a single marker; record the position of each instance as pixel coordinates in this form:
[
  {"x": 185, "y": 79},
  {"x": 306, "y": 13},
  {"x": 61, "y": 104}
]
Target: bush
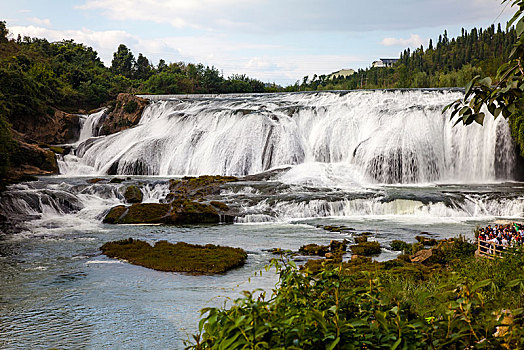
[{"x": 329, "y": 310}]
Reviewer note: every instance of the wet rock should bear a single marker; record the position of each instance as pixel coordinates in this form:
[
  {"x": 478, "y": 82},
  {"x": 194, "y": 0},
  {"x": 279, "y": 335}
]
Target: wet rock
[
  {"x": 361, "y": 239},
  {"x": 95, "y": 180},
  {"x": 123, "y": 114},
  {"x": 133, "y": 194},
  {"x": 314, "y": 249},
  {"x": 338, "y": 246},
  {"x": 422, "y": 256},
  {"x": 400, "y": 246},
  {"x": 366, "y": 248}
]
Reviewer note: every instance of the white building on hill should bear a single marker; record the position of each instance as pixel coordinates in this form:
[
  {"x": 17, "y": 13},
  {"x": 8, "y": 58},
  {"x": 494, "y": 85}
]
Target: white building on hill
[{"x": 384, "y": 62}]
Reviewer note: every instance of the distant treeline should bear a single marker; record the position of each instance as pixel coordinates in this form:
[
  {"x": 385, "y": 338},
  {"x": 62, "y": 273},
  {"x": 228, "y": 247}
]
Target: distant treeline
[{"x": 448, "y": 63}]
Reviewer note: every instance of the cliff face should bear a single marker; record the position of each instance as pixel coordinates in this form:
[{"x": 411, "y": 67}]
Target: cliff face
[
  {"x": 125, "y": 113},
  {"x": 59, "y": 128}
]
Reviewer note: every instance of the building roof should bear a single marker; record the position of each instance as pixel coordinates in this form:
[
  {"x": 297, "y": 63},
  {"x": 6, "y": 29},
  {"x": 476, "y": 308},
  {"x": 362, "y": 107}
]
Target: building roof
[{"x": 389, "y": 60}]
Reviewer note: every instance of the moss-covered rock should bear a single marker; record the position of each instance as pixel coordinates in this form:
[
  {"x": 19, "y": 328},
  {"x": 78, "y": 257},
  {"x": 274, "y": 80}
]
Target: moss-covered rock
[
  {"x": 187, "y": 212},
  {"x": 219, "y": 205},
  {"x": 145, "y": 213},
  {"x": 115, "y": 214},
  {"x": 361, "y": 239},
  {"x": 194, "y": 188},
  {"x": 179, "y": 257},
  {"x": 178, "y": 212},
  {"x": 133, "y": 194},
  {"x": 400, "y": 246},
  {"x": 314, "y": 249},
  {"x": 95, "y": 180},
  {"x": 366, "y": 248}
]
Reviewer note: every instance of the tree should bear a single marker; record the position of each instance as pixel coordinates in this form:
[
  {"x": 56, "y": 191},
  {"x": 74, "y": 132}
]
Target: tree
[
  {"x": 3, "y": 32},
  {"x": 161, "y": 65},
  {"x": 123, "y": 61},
  {"x": 506, "y": 97},
  {"x": 142, "y": 67}
]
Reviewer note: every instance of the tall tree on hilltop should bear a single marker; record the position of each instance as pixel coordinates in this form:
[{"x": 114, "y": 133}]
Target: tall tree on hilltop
[
  {"x": 142, "y": 67},
  {"x": 123, "y": 61},
  {"x": 3, "y": 31}
]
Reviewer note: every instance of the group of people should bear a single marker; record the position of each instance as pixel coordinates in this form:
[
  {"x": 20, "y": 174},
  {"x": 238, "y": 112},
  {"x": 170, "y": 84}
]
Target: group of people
[{"x": 507, "y": 235}]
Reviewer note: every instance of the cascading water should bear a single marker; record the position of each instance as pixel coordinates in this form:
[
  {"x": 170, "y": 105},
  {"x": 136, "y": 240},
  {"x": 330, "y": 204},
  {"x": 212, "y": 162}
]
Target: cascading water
[
  {"x": 375, "y": 136},
  {"x": 386, "y": 164}
]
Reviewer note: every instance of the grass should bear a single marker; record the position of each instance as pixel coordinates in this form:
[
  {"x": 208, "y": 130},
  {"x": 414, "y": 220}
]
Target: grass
[{"x": 178, "y": 257}]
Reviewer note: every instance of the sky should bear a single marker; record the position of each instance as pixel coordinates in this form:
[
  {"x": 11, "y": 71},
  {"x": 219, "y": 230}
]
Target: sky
[{"x": 277, "y": 41}]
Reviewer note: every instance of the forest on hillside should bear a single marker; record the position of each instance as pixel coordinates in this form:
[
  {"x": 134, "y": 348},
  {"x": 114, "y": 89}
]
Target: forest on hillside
[{"x": 447, "y": 63}]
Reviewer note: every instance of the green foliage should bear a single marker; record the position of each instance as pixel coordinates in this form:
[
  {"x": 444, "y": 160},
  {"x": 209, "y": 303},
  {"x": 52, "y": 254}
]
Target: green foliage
[
  {"x": 123, "y": 61},
  {"x": 506, "y": 97},
  {"x": 179, "y": 257},
  {"x": 7, "y": 144},
  {"x": 450, "y": 63},
  {"x": 386, "y": 309}
]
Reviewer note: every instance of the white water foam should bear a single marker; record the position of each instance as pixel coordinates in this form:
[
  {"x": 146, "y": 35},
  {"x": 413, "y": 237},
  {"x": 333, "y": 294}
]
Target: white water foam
[{"x": 358, "y": 137}]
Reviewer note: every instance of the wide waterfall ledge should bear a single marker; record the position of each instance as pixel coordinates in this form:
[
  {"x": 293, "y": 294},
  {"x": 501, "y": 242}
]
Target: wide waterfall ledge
[{"x": 351, "y": 139}]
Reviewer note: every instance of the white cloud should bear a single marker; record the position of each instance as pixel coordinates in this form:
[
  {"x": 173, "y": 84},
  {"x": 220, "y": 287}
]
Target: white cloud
[
  {"x": 281, "y": 16},
  {"x": 105, "y": 42},
  {"x": 40, "y": 21},
  {"x": 413, "y": 41}
]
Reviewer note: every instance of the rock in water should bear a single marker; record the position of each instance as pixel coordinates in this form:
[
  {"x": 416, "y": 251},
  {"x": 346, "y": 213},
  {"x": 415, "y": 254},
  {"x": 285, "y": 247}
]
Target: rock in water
[{"x": 133, "y": 194}]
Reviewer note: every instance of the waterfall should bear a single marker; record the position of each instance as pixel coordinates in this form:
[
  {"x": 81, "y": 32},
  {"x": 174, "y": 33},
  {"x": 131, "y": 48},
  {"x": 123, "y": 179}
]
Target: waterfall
[
  {"x": 91, "y": 125},
  {"x": 376, "y": 136}
]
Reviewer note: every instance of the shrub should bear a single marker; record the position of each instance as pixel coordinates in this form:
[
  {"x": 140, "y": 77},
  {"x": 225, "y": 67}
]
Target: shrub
[{"x": 328, "y": 310}]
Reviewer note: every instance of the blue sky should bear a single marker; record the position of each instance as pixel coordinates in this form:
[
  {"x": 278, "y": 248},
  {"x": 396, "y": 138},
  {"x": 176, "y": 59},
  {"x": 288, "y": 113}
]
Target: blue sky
[{"x": 273, "y": 40}]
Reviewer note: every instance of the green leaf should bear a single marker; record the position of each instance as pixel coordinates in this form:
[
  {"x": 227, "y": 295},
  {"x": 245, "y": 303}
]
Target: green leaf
[
  {"x": 479, "y": 118},
  {"x": 485, "y": 81},
  {"x": 333, "y": 344},
  {"x": 520, "y": 27},
  {"x": 396, "y": 344},
  {"x": 514, "y": 283},
  {"x": 480, "y": 284}
]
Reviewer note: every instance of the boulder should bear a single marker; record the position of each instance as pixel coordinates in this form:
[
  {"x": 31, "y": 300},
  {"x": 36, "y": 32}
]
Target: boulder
[
  {"x": 422, "y": 256},
  {"x": 180, "y": 212},
  {"x": 314, "y": 249},
  {"x": 125, "y": 112},
  {"x": 133, "y": 194}
]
